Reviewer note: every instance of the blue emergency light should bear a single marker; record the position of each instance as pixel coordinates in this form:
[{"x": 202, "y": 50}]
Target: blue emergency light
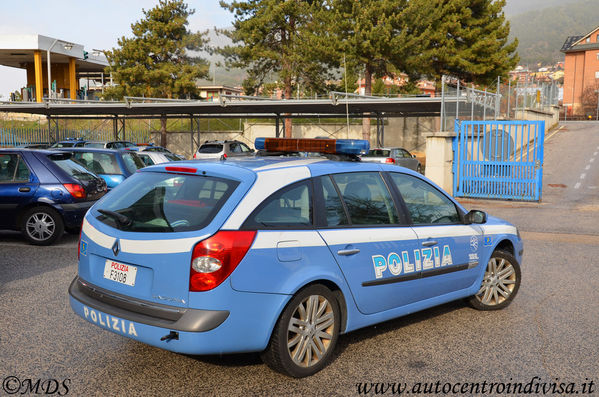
[{"x": 325, "y": 146}]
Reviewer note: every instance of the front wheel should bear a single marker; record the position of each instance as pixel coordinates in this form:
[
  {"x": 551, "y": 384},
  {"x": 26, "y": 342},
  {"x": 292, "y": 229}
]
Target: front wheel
[
  {"x": 42, "y": 225},
  {"x": 305, "y": 334},
  {"x": 500, "y": 282}
]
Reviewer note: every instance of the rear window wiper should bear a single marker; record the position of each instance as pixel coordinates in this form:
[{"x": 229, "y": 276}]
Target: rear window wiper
[{"x": 121, "y": 219}]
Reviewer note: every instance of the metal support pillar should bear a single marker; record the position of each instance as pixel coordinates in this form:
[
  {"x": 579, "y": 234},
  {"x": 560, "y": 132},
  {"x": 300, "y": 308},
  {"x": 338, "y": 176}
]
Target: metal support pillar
[
  {"x": 195, "y": 127},
  {"x": 380, "y": 130},
  {"x": 53, "y": 132},
  {"x": 118, "y": 128},
  {"x": 277, "y": 124}
]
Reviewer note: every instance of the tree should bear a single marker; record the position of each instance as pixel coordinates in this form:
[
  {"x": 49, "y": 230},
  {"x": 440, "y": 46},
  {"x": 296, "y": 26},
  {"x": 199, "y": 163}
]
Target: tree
[
  {"x": 274, "y": 37},
  {"x": 467, "y": 39},
  {"x": 156, "y": 62},
  {"x": 374, "y": 36}
]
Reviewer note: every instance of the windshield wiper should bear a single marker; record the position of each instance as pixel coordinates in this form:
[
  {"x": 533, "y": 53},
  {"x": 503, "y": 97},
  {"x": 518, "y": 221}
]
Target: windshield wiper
[{"x": 121, "y": 219}]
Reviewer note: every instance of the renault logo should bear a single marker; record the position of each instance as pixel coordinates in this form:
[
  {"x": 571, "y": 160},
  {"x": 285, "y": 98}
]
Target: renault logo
[{"x": 115, "y": 247}]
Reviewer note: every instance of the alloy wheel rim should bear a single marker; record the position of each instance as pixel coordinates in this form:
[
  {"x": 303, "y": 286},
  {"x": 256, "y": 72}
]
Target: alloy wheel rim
[
  {"x": 40, "y": 226},
  {"x": 498, "y": 283},
  {"x": 310, "y": 331}
]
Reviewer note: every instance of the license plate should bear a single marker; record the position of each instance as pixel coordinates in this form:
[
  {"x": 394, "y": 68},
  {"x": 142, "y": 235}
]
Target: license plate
[{"x": 119, "y": 272}]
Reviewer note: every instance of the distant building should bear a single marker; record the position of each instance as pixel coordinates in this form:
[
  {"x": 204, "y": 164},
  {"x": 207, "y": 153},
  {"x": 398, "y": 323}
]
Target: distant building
[
  {"x": 581, "y": 69},
  {"x": 69, "y": 63},
  {"x": 213, "y": 93}
]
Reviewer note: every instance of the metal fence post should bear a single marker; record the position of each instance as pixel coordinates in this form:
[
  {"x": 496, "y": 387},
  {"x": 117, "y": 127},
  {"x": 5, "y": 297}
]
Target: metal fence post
[{"x": 443, "y": 103}]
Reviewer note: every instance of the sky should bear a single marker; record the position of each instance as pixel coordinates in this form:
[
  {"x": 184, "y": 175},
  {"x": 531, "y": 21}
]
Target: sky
[{"x": 94, "y": 24}]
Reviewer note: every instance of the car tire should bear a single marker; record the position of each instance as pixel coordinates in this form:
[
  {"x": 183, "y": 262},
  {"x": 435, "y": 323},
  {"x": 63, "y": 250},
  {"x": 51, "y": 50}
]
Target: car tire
[
  {"x": 500, "y": 282},
  {"x": 301, "y": 334},
  {"x": 42, "y": 225}
]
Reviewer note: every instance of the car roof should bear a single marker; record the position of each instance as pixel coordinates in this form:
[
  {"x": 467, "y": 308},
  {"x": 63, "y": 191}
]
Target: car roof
[
  {"x": 92, "y": 149},
  {"x": 316, "y": 166}
]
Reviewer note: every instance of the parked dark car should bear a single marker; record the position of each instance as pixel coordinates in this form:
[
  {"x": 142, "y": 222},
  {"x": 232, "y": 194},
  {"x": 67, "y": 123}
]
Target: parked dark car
[
  {"x": 69, "y": 142},
  {"x": 43, "y": 193},
  {"x": 114, "y": 166}
]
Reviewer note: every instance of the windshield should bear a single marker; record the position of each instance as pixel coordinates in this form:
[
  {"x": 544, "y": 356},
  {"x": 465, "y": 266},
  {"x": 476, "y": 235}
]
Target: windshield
[
  {"x": 163, "y": 202},
  {"x": 378, "y": 153},
  {"x": 212, "y": 148},
  {"x": 132, "y": 162},
  {"x": 171, "y": 157}
]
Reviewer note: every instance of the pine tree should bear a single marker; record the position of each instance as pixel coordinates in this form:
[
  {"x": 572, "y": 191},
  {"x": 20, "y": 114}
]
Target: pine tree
[
  {"x": 155, "y": 62},
  {"x": 467, "y": 39},
  {"x": 272, "y": 39},
  {"x": 374, "y": 36}
]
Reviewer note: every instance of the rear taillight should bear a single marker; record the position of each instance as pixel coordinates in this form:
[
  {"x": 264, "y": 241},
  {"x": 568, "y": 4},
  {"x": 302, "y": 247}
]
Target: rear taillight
[
  {"x": 389, "y": 160},
  {"x": 75, "y": 189},
  {"x": 195, "y": 155},
  {"x": 215, "y": 258}
]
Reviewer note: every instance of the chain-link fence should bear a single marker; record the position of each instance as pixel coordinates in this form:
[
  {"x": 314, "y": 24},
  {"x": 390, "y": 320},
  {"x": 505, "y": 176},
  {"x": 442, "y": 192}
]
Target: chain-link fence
[{"x": 501, "y": 101}]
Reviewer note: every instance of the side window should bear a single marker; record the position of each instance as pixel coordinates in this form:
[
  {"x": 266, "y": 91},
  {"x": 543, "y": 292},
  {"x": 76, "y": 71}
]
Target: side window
[
  {"x": 146, "y": 159},
  {"x": 13, "y": 168},
  {"x": 289, "y": 207},
  {"x": 426, "y": 204},
  {"x": 333, "y": 207},
  {"x": 367, "y": 198},
  {"x": 234, "y": 147},
  {"x": 244, "y": 148}
]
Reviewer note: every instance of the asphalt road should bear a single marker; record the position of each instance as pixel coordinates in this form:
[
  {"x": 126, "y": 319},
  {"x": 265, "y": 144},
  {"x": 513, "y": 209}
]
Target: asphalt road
[{"x": 550, "y": 331}]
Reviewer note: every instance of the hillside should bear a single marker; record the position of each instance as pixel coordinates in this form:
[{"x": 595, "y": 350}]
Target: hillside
[
  {"x": 515, "y": 7},
  {"x": 541, "y": 33}
]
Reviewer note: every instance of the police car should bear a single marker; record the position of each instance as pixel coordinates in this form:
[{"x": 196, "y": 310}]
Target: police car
[{"x": 282, "y": 255}]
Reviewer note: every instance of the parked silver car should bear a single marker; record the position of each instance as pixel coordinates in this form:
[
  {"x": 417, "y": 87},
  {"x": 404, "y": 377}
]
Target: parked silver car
[
  {"x": 222, "y": 149},
  {"x": 393, "y": 155}
]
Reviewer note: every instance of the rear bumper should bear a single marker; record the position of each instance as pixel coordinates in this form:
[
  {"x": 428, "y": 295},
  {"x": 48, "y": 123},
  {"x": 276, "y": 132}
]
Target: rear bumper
[
  {"x": 246, "y": 327},
  {"x": 73, "y": 213},
  {"x": 171, "y": 317}
]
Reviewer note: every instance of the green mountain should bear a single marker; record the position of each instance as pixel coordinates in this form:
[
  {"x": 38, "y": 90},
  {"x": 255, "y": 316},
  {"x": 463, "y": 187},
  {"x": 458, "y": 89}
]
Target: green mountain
[
  {"x": 541, "y": 33},
  {"x": 515, "y": 7}
]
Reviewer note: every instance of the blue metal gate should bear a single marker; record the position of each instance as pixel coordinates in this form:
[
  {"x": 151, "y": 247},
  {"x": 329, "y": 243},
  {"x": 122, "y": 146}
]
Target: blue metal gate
[{"x": 498, "y": 159}]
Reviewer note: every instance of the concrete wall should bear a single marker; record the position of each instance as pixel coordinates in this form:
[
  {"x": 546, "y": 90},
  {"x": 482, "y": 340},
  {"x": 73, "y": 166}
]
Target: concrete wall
[{"x": 551, "y": 117}]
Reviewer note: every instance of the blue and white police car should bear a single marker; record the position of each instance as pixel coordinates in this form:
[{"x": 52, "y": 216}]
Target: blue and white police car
[{"x": 281, "y": 255}]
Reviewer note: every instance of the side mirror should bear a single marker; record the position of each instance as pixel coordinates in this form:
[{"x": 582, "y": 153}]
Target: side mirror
[{"x": 475, "y": 216}]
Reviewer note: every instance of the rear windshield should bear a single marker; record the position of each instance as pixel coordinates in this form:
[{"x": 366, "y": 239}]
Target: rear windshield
[
  {"x": 71, "y": 167},
  {"x": 378, "y": 153},
  {"x": 132, "y": 162},
  {"x": 99, "y": 163},
  {"x": 211, "y": 148},
  {"x": 161, "y": 202},
  {"x": 97, "y": 145},
  {"x": 63, "y": 144}
]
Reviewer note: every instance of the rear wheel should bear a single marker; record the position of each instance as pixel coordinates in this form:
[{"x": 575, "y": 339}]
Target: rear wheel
[
  {"x": 42, "y": 225},
  {"x": 306, "y": 333},
  {"x": 500, "y": 282}
]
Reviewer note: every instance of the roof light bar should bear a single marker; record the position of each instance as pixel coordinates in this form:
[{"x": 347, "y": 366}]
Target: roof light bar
[{"x": 326, "y": 146}]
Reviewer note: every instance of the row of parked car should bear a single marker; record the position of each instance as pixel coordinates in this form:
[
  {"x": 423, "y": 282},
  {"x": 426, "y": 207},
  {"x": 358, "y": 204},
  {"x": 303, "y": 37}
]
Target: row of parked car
[{"x": 44, "y": 192}]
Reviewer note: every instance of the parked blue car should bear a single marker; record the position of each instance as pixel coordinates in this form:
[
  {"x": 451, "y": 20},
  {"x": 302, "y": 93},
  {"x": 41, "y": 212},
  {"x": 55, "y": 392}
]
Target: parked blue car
[
  {"x": 44, "y": 192},
  {"x": 114, "y": 166}
]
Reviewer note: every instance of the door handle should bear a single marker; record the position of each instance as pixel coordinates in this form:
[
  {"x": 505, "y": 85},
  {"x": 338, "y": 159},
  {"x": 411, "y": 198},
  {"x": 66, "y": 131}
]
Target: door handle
[
  {"x": 24, "y": 189},
  {"x": 348, "y": 252},
  {"x": 429, "y": 243}
]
